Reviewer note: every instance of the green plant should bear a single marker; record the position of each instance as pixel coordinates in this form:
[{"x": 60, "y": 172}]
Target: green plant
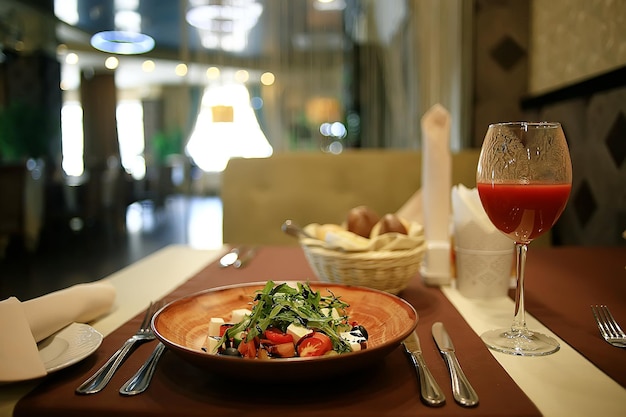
[
  {"x": 25, "y": 132},
  {"x": 167, "y": 143}
]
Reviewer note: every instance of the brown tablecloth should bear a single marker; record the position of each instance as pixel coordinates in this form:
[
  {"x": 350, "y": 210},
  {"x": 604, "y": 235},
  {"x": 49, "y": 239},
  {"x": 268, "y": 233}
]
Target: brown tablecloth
[
  {"x": 390, "y": 389},
  {"x": 562, "y": 284}
]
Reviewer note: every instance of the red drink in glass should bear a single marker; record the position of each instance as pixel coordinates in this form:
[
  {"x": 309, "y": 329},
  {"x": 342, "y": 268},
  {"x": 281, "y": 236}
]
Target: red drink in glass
[
  {"x": 524, "y": 178},
  {"x": 523, "y": 211}
]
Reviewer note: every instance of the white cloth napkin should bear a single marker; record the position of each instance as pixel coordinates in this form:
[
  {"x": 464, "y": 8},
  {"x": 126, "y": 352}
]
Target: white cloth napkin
[
  {"x": 472, "y": 227},
  {"x": 19, "y": 357},
  {"x": 436, "y": 183},
  {"x": 412, "y": 209},
  {"x": 24, "y": 324}
]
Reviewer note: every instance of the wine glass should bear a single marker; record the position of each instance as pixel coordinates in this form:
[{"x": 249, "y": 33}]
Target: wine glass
[{"x": 524, "y": 179}]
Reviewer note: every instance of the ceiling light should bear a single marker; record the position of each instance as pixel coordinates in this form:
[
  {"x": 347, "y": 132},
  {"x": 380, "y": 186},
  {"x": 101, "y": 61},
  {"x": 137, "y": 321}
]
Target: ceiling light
[
  {"x": 148, "y": 65},
  {"x": 128, "y": 20},
  {"x": 242, "y": 76},
  {"x": 243, "y": 13},
  {"x": 127, "y": 4},
  {"x": 71, "y": 58},
  {"x": 181, "y": 70},
  {"x": 329, "y": 5},
  {"x": 111, "y": 62},
  {"x": 267, "y": 78},
  {"x": 122, "y": 42},
  {"x": 212, "y": 73}
]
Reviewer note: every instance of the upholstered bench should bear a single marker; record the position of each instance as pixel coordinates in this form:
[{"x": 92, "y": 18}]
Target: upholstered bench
[{"x": 258, "y": 195}]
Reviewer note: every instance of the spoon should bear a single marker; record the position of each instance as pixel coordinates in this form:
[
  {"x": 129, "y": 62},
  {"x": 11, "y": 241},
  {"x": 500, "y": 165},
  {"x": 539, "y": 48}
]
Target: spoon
[
  {"x": 294, "y": 230},
  {"x": 230, "y": 258}
]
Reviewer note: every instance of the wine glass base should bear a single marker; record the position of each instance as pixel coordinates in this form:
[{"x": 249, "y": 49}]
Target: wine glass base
[{"x": 521, "y": 343}]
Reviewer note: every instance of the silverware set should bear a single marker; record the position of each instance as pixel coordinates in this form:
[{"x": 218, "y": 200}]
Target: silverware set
[
  {"x": 140, "y": 381},
  {"x": 462, "y": 391},
  {"x": 608, "y": 326},
  {"x": 431, "y": 394}
]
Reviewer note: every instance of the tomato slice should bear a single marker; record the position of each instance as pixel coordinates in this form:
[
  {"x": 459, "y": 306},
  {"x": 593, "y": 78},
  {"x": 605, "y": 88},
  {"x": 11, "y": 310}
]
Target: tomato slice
[
  {"x": 327, "y": 344},
  {"x": 283, "y": 350},
  {"x": 310, "y": 347},
  {"x": 277, "y": 337},
  {"x": 247, "y": 349},
  {"x": 314, "y": 344},
  {"x": 224, "y": 327}
]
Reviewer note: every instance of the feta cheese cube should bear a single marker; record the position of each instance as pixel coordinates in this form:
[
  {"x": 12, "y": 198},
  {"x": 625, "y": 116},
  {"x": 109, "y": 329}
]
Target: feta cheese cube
[
  {"x": 297, "y": 332},
  {"x": 330, "y": 312},
  {"x": 214, "y": 326},
  {"x": 211, "y": 344},
  {"x": 239, "y": 314}
]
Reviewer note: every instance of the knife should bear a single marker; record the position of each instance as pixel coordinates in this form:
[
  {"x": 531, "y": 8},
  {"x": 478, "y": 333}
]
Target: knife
[
  {"x": 139, "y": 382},
  {"x": 431, "y": 393},
  {"x": 462, "y": 391}
]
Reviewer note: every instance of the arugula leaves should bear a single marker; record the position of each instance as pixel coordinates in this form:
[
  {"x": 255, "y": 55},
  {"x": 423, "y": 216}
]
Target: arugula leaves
[{"x": 281, "y": 305}]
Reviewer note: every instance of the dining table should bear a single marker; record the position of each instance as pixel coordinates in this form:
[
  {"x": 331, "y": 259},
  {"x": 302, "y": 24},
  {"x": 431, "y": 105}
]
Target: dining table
[{"x": 585, "y": 377}]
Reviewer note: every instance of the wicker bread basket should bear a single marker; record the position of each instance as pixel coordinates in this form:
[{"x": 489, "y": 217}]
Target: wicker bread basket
[{"x": 386, "y": 270}]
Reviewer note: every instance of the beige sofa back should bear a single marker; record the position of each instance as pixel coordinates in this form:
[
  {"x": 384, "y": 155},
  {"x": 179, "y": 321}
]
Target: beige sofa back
[{"x": 258, "y": 195}]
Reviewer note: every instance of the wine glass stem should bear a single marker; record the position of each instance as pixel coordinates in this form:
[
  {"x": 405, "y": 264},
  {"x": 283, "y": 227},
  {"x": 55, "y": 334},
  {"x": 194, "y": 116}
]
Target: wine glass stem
[{"x": 519, "y": 321}]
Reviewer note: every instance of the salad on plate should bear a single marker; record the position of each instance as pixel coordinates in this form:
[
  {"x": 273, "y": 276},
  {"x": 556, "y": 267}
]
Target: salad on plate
[{"x": 284, "y": 321}]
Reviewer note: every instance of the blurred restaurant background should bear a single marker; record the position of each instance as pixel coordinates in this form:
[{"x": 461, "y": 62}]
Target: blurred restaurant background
[{"x": 111, "y": 109}]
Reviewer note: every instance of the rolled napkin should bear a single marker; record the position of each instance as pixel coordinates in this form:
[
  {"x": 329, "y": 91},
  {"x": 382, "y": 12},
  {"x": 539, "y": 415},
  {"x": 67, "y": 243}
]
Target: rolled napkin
[
  {"x": 436, "y": 183},
  {"x": 80, "y": 303},
  {"x": 472, "y": 227},
  {"x": 31, "y": 321}
]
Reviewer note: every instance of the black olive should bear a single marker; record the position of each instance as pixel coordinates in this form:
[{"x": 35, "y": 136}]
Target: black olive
[
  {"x": 230, "y": 351},
  {"x": 362, "y": 330}
]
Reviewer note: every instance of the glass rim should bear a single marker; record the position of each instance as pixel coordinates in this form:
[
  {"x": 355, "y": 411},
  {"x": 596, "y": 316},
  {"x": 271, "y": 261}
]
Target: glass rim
[{"x": 520, "y": 124}]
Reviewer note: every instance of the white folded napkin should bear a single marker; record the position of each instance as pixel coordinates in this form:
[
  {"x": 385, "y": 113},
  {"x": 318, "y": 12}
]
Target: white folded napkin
[
  {"x": 80, "y": 303},
  {"x": 436, "y": 183},
  {"x": 24, "y": 324},
  {"x": 19, "y": 357}
]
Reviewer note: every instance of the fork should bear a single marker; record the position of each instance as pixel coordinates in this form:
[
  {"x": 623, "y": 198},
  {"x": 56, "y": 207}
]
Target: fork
[
  {"x": 245, "y": 258},
  {"x": 101, "y": 378},
  {"x": 609, "y": 329}
]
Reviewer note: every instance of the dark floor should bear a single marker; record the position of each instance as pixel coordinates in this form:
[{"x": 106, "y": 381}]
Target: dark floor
[{"x": 65, "y": 257}]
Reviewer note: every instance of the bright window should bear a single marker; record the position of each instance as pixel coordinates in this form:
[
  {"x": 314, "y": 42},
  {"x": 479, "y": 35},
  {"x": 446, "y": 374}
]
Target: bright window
[
  {"x": 72, "y": 138},
  {"x": 130, "y": 136}
]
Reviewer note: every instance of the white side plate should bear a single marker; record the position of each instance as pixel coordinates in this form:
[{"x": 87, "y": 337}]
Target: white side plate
[{"x": 68, "y": 346}]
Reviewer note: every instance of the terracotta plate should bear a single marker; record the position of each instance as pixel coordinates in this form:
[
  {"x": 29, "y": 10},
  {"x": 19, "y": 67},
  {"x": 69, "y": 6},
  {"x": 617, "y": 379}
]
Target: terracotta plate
[{"x": 182, "y": 326}]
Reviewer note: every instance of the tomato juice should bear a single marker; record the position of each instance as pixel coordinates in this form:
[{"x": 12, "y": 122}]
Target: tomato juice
[{"x": 523, "y": 211}]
